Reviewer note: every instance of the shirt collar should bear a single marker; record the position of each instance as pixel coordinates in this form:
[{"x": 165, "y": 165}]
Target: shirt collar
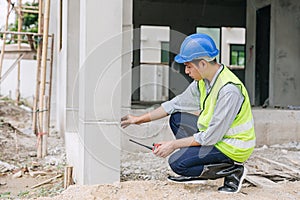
[{"x": 210, "y": 84}]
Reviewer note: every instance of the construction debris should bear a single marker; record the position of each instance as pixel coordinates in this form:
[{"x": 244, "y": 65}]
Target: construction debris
[
  {"x": 19, "y": 165},
  {"x": 46, "y": 181}
]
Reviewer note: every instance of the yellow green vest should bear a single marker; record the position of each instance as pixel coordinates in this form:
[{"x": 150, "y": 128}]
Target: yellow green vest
[{"x": 239, "y": 141}]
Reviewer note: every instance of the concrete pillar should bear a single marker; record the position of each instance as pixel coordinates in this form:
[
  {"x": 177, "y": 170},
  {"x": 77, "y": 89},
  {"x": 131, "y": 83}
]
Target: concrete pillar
[
  {"x": 252, "y": 7},
  {"x": 100, "y": 91},
  {"x": 70, "y": 52},
  {"x": 285, "y": 51},
  {"x": 127, "y": 30}
]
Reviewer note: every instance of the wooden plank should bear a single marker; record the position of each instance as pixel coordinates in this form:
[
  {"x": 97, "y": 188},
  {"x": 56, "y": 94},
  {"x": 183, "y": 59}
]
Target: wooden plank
[
  {"x": 46, "y": 181},
  {"x": 260, "y": 181},
  {"x": 294, "y": 170},
  {"x": 68, "y": 180}
]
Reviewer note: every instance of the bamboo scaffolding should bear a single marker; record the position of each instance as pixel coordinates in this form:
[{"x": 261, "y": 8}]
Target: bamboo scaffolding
[
  {"x": 4, "y": 35},
  {"x": 41, "y": 107}
]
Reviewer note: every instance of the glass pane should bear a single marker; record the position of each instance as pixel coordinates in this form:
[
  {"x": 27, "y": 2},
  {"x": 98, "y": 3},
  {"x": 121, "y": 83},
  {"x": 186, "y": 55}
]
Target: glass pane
[
  {"x": 241, "y": 58},
  {"x": 165, "y": 52},
  {"x": 234, "y": 57}
]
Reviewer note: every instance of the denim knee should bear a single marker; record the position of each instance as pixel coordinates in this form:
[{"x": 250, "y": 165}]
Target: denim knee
[
  {"x": 174, "y": 122},
  {"x": 176, "y": 165}
]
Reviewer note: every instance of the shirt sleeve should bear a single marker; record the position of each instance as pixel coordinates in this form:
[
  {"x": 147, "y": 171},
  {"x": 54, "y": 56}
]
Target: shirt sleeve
[
  {"x": 187, "y": 101},
  {"x": 227, "y": 107}
]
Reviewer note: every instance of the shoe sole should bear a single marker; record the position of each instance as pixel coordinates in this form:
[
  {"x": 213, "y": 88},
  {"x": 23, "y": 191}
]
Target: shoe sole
[
  {"x": 189, "y": 182},
  {"x": 241, "y": 183}
]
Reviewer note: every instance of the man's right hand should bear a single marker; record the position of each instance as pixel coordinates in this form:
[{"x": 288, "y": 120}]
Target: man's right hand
[
  {"x": 128, "y": 120},
  {"x": 158, "y": 113}
]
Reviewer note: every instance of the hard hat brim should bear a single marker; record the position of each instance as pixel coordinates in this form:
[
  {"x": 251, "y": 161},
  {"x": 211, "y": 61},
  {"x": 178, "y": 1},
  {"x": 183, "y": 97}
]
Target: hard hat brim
[{"x": 180, "y": 59}]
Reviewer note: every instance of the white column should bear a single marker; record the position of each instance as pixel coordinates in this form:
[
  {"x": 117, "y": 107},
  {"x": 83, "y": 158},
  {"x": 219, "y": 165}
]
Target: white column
[
  {"x": 100, "y": 91},
  {"x": 127, "y": 54}
]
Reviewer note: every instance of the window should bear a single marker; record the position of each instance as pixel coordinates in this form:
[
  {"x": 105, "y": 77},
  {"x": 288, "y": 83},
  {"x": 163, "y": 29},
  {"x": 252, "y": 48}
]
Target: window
[
  {"x": 237, "y": 54},
  {"x": 165, "y": 52}
]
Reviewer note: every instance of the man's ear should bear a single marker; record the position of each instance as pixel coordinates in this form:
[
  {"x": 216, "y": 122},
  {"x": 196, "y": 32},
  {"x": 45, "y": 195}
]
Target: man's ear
[{"x": 202, "y": 63}]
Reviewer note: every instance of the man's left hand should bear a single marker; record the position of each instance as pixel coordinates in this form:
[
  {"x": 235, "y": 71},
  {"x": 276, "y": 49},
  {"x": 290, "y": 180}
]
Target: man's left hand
[{"x": 165, "y": 149}]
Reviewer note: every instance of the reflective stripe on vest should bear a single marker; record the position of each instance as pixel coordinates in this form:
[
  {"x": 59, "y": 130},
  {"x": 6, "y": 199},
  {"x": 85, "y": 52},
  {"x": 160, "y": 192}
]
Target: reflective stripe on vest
[
  {"x": 239, "y": 143},
  {"x": 240, "y": 128}
]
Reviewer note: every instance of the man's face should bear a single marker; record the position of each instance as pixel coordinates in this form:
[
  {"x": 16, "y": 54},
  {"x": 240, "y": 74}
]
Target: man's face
[{"x": 193, "y": 70}]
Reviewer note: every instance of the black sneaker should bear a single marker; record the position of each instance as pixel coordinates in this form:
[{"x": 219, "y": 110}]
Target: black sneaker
[
  {"x": 233, "y": 182},
  {"x": 184, "y": 179}
]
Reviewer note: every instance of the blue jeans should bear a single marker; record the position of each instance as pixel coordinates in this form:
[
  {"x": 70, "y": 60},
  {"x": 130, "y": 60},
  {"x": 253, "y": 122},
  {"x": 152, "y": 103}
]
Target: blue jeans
[{"x": 190, "y": 161}]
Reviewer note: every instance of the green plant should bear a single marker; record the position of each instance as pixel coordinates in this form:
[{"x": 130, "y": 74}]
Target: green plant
[
  {"x": 29, "y": 24},
  {"x": 23, "y": 194},
  {"x": 5, "y": 195}
]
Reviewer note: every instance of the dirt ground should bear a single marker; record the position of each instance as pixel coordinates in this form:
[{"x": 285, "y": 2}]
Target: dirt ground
[
  {"x": 143, "y": 176},
  {"x": 20, "y": 170}
]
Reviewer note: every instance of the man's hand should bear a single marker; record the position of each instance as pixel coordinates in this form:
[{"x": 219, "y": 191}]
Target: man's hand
[
  {"x": 165, "y": 149},
  {"x": 158, "y": 113},
  {"x": 128, "y": 120}
]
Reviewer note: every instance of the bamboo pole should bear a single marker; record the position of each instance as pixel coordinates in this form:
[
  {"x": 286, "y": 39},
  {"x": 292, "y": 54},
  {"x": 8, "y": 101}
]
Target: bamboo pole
[
  {"x": 45, "y": 126},
  {"x": 30, "y": 11},
  {"x": 50, "y": 77},
  {"x": 30, "y": 7},
  {"x": 21, "y": 33},
  {"x": 4, "y": 36},
  {"x": 44, "y": 58},
  {"x": 38, "y": 70},
  {"x": 39, "y": 140},
  {"x": 19, "y": 48}
]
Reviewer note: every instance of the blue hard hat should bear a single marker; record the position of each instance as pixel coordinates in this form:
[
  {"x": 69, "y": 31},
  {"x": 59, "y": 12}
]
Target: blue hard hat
[{"x": 196, "y": 46}]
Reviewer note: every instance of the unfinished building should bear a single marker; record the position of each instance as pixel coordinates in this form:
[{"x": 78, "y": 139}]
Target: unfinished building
[{"x": 101, "y": 67}]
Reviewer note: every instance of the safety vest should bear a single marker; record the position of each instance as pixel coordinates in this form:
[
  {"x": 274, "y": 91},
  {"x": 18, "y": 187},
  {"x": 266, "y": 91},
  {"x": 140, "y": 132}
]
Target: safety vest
[{"x": 239, "y": 141}]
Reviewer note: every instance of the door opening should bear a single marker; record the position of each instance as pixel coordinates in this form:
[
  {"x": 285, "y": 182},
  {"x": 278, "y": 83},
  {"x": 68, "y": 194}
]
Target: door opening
[{"x": 262, "y": 60}]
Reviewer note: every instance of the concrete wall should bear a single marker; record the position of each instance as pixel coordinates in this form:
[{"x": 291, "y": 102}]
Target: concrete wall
[
  {"x": 274, "y": 126},
  {"x": 284, "y": 51},
  {"x": 27, "y": 76}
]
